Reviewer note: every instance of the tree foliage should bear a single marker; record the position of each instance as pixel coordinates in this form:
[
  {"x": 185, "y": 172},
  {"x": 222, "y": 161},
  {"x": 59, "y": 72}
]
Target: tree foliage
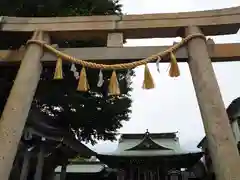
[
  {"x": 51, "y": 8},
  {"x": 88, "y": 116},
  {"x": 91, "y": 115}
]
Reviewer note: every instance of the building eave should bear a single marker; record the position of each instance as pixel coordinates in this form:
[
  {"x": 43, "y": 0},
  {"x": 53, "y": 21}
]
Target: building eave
[{"x": 183, "y": 160}]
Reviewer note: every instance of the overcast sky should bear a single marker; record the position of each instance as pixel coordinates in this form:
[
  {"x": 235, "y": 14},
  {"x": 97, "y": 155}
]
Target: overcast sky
[{"x": 172, "y": 105}]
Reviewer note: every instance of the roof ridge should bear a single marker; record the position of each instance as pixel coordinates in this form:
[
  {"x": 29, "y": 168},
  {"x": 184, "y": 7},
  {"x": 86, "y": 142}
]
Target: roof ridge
[{"x": 147, "y": 143}]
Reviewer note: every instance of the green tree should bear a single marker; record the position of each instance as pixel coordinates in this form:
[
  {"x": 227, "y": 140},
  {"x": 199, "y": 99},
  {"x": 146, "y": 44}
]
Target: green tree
[
  {"x": 88, "y": 116},
  {"x": 51, "y": 8},
  {"x": 77, "y": 110}
]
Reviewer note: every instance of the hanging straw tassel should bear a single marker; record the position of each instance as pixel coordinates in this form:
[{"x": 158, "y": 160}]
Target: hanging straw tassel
[
  {"x": 148, "y": 80},
  {"x": 113, "y": 88},
  {"x": 174, "y": 69},
  {"x": 58, "y": 69},
  {"x": 83, "y": 82}
]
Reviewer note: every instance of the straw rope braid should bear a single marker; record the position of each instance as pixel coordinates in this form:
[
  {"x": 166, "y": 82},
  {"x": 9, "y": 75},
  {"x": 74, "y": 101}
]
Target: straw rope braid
[
  {"x": 130, "y": 65},
  {"x": 113, "y": 87}
]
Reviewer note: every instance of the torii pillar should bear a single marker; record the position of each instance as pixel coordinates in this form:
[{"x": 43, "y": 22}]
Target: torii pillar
[
  {"x": 221, "y": 143},
  {"x": 18, "y": 104}
]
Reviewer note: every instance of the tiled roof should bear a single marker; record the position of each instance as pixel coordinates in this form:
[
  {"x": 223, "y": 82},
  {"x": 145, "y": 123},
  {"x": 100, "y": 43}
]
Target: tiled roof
[
  {"x": 154, "y": 136},
  {"x": 162, "y": 146}
]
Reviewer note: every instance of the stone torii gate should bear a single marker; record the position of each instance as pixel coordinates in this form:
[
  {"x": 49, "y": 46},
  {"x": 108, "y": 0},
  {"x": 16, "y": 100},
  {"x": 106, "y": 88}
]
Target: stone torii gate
[{"x": 112, "y": 29}]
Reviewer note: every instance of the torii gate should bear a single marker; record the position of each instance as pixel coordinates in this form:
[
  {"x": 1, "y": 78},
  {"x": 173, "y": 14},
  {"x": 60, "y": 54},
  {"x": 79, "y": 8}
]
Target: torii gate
[{"x": 112, "y": 29}]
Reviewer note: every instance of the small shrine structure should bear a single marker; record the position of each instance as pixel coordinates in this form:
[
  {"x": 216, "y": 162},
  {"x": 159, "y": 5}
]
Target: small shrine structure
[{"x": 82, "y": 170}]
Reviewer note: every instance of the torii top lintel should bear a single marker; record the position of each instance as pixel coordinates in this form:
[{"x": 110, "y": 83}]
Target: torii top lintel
[{"x": 212, "y": 22}]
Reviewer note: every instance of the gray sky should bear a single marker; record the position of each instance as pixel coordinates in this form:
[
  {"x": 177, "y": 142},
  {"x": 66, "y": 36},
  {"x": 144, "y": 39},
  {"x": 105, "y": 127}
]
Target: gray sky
[{"x": 172, "y": 105}]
